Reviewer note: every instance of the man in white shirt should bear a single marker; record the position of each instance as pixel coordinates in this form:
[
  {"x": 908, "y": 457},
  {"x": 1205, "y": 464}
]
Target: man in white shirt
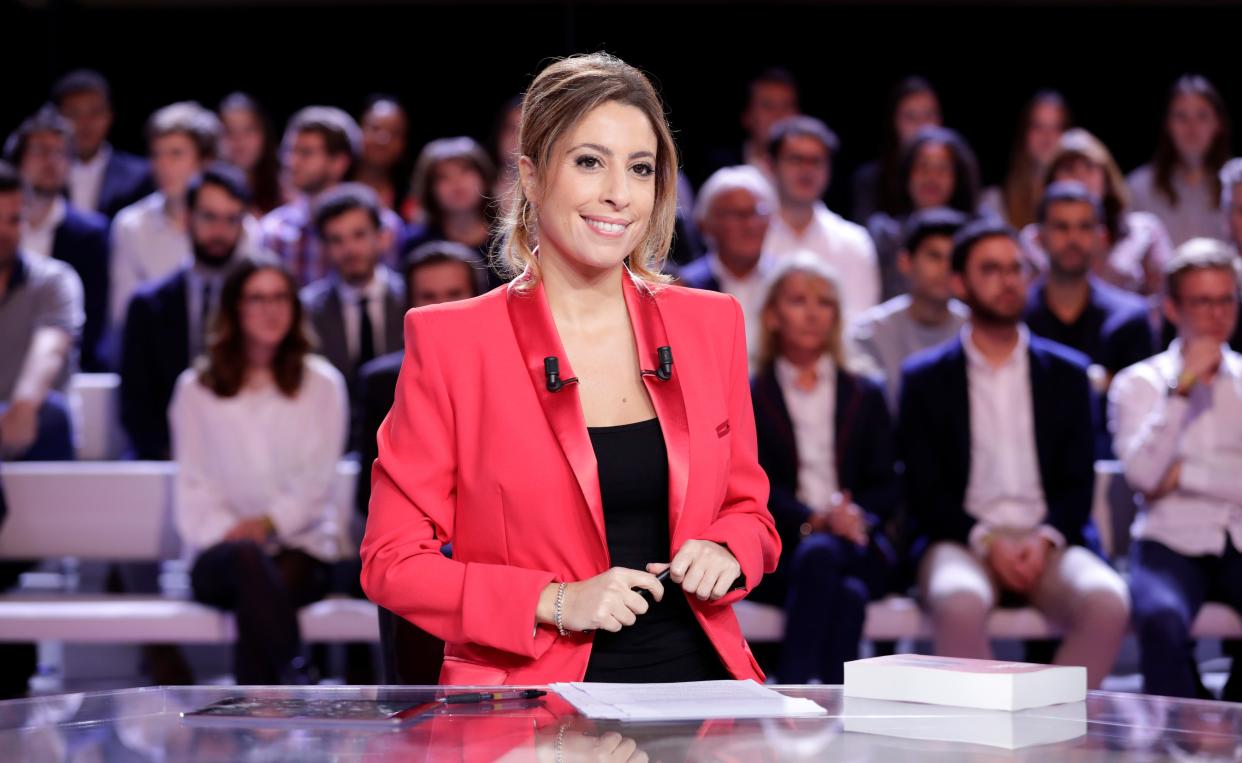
[
  {"x": 101, "y": 179},
  {"x": 151, "y": 239},
  {"x": 357, "y": 311},
  {"x": 996, "y": 432},
  {"x": 802, "y": 149},
  {"x": 732, "y": 211},
  {"x": 1177, "y": 425}
]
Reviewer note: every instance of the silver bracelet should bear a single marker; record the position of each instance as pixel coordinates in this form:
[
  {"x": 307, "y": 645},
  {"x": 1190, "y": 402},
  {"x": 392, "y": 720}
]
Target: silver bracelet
[{"x": 560, "y": 600}]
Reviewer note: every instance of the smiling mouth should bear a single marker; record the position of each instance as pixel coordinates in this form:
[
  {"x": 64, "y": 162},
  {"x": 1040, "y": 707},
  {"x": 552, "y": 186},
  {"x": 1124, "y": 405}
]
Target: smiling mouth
[{"x": 607, "y": 228}]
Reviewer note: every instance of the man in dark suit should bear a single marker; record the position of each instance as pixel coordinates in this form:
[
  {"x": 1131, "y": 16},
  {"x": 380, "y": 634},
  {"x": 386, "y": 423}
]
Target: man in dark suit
[
  {"x": 1072, "y": 307},
  {"x": 167, "y": 322},
  {"x": 438, "y": 271},
  {"x": 356, "y": 312},
  {"x": 997, "y": 434},
  {"x": 54, "y": 227},
  {"x": 101, "y": 178}
]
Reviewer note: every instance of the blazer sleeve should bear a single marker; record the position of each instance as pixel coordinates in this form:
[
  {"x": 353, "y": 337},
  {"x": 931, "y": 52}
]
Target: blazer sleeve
[
  {"x": 935, "y": 511},
  {"x": 878, "y": 492},
  {"x": 744, "y": 524},
  {"x": 139, "y": 415},
  {"x": 413, "y": 503}
]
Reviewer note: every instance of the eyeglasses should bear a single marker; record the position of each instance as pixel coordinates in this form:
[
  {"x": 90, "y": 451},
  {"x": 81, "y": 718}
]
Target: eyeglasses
[
  {"x": 1204, "y": 304},
  {"x": 211, "y": 218},
  {"x": 743, "y": 215},
  {"x": 274, "y": 299}
]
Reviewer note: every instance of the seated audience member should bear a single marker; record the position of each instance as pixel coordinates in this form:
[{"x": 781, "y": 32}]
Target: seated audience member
[
  {"x": 732, "y": 210},
  {"x": 1231, "y": 207},
  {"x": 937, "y": 169},
  {"x": 151, "y": 238},
  {"x": 257, "y": 430},
  {"x": 356, "y": 312},
  {"x": 1180, "y": 184},
  {"x": 53, "y": 227},
  {"x": 801, "y": 149},
  {"x": 889, "y": 333},
  {"x": 1044, "y": 119},
  {"x": 166, "y": 325},
  {"x": 318, "y": 150},
  {"x": 438, "y": 271},
  {"x": 913, "y": 105},
  {"x": 1177, "y": 423},
  {"x": 452, "y": 178},
  {"x": 101, "y": 178},
  {"x": 1136, "y": 248},
  {"x": 771, "y": 96},
  {"x": 40, "y": 321},
  {"x": 381, "y": 160},
  {"x": 826, "y": 442},
  {"x": 996, "y": 432},
  {"x": 248, "y": 142},
  {"x": 1070, "y": 306}
]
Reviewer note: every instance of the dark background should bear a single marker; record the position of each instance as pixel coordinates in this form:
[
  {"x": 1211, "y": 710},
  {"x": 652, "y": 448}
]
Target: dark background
[{"x": 454, "y": 64}]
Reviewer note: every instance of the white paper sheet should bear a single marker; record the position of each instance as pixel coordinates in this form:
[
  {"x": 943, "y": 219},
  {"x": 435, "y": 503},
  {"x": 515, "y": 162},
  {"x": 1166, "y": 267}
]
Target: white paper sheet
[{"x": 699, "y": 700}]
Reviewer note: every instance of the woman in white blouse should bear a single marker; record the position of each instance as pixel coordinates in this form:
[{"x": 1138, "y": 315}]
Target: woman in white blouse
[{"x": 257, "y": 430}]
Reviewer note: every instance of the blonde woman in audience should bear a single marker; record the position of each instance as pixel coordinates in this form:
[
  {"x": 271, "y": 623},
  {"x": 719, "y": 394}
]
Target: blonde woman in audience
[
  {"x": 827, "y": 445},
  {"x": 258, "y": 426}
]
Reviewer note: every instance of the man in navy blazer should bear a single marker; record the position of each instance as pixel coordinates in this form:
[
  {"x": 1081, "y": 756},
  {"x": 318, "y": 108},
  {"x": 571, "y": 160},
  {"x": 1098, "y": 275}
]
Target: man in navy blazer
[
  {"x": 40, "y": 149},
  {"x": 167, "y": 321},
  {"x": 997, "y": 435},
  {"x": 102, "y": 179}
]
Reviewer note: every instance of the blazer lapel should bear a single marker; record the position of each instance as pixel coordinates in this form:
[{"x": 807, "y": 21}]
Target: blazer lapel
[
  {"x": 537, "y": 339},
  {"x": 335, "y": 345},
  {"x": 651, "y": 333},
  {"x": 394, "y": 315}
]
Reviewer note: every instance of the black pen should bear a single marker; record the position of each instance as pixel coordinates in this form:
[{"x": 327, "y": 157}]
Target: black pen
[{"x": 490, "y": 696}]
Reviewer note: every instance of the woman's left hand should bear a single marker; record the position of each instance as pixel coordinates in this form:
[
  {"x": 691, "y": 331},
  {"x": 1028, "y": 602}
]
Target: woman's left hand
[{"x": 702, "y": 568}]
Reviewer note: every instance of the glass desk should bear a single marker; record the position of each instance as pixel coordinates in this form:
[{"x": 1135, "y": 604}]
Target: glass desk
[{"x": 144, "y": 725}]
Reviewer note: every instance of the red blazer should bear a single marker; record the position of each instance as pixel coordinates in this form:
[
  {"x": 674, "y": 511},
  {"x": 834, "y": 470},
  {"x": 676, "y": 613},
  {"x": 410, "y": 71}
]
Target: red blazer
[{"x": 477, "y": 452}]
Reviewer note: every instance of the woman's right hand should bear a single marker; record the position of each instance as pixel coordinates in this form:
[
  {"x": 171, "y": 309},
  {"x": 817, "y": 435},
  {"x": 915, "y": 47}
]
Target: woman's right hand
[{"x": 605, "y": 601}]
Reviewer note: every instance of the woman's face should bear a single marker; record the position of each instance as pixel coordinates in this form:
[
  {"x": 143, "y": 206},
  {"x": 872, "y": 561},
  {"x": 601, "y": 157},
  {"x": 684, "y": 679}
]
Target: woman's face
[
  {"x": 1086, "y": 172},
  {"x": 242, "y": 143},
  {"x": 914, "y": 112},
  {"x": 266, "y": 309},
  {"x": 1192, "y": 125},
  {"x": 1044, "y": 130},
  {"x": 595, "y": 204},
  {"x": 803, "y": 314},
  {"x": 458, "y": 186},
  {"x": 932, "y": 176}
]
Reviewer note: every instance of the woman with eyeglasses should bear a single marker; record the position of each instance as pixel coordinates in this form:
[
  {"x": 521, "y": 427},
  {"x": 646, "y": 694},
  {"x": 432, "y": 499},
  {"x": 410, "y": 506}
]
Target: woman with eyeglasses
[{"x": 257, "y": 427}]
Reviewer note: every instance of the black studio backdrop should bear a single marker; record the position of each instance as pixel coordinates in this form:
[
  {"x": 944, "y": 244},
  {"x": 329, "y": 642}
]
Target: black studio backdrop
[{"x": 454, "y": 64}]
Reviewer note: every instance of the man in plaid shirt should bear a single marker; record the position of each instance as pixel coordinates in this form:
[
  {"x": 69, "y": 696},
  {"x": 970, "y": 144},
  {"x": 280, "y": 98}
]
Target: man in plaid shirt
[{"x": 320, "y": 146}]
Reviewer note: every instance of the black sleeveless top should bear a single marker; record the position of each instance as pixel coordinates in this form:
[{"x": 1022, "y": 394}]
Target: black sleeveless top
[{"x": 666, "y": 643}]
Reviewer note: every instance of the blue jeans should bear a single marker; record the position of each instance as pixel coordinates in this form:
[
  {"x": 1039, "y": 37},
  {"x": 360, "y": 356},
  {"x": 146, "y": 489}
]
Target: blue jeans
[
  {"x": 54, "y": 435},
  {"x": 825, "y": 583},
  {"x": 1167, "y": 589}
]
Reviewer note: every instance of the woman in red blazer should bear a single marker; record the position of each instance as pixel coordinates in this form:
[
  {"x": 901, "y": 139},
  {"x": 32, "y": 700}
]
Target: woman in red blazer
[{"x": 566, "y": 489}]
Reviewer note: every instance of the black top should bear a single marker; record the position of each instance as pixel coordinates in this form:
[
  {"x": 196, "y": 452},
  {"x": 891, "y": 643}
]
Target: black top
[{"x": 666, "y": 643}]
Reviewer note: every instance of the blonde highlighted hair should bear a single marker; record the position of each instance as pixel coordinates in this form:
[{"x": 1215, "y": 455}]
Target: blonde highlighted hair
[
  {"x": 808, "y": 264},
  {"x": 562, "y": 94}
]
